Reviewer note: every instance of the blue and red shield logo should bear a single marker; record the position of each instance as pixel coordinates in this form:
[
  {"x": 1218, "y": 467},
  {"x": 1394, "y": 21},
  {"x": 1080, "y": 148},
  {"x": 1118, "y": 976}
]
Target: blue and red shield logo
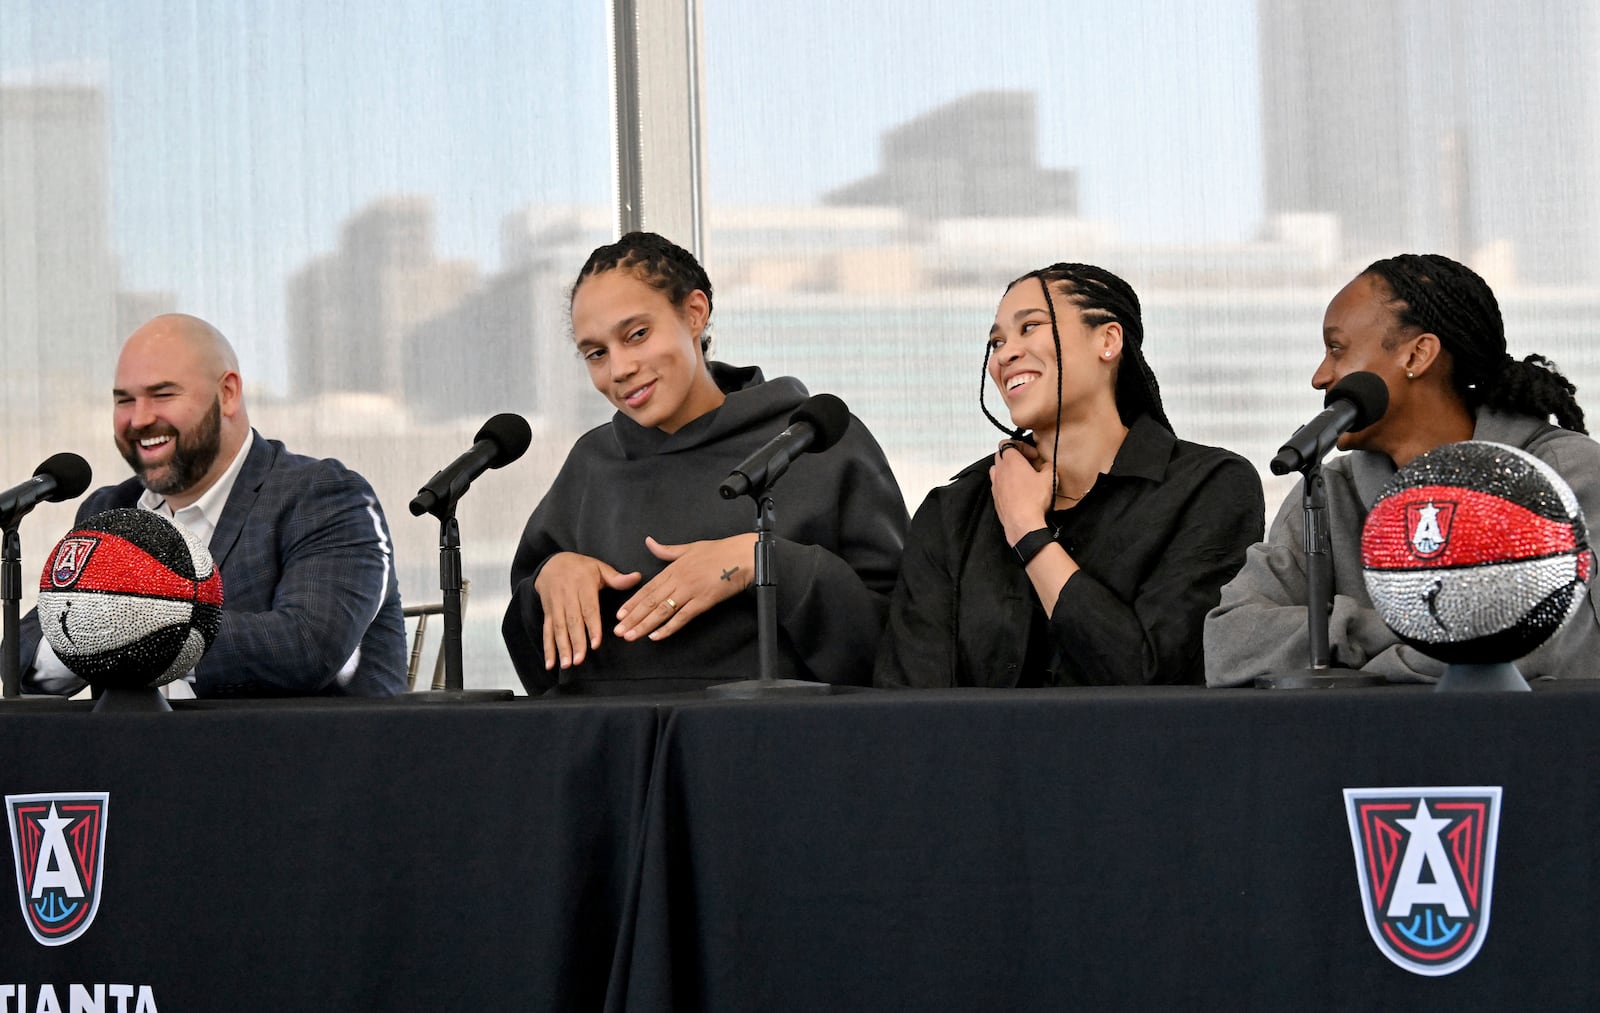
[
  {"x": 72, "y": 555},
  {"x": 1428, "y": 527},
  {"x": 1425, "y": 865},
  {"x": 58, "y": 840}
]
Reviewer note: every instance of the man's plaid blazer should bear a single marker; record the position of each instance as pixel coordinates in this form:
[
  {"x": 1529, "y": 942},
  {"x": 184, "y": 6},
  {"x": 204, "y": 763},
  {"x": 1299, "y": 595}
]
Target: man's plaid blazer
[{"x": 308, "y": 581}]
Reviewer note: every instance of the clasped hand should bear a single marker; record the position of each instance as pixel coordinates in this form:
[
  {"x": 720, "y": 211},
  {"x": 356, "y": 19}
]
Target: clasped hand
[
  {"x": 1021, "y": 486},
  {"x": 698, "y": 576}
]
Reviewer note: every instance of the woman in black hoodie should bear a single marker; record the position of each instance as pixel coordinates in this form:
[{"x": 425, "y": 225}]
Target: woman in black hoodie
[{"x": 632, "y": 574}]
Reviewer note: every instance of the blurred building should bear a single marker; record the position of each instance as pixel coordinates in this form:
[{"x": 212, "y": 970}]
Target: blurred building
[
  {"x": 1335, "y": 123},
  {"x": 57, "y": 274},
  {"x": 975, "y": 157},
  {"x": 1424, "y": 126},
  {"x": 508, "y": 344},
  {"x": 349, "y": 311},
  {"x": 135, "y": 308}
]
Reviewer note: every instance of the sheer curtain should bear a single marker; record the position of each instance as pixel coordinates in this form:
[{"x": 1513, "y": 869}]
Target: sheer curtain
[
  {"x": 879, "y": 172},
  {"x": 361, "y": 195},
  {"x": 382, "y": 205}
]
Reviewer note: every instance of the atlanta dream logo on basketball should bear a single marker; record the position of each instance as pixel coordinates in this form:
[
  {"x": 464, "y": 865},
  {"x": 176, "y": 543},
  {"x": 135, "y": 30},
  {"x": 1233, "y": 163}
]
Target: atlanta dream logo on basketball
[
  {"x": 1425, "y": 865},
  {"x": 58, "y": 841},
  {"x": 72, "y": 555},
  {"x": 1429, "y": 525}
]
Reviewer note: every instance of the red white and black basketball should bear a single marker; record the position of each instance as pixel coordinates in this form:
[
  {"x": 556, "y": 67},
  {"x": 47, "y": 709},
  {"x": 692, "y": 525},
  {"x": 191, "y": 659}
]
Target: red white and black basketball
[
  {"x": 130, "y": 599},
  {"x": 1475, "y": 553}
]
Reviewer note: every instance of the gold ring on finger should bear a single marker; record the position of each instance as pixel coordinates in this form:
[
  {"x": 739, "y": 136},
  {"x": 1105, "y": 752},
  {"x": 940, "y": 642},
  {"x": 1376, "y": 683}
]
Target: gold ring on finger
[{"x": 672, "y": 606}]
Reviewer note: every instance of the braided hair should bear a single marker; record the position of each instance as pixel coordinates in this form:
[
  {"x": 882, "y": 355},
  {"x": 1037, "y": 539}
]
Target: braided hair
[
  {"x": 1101, "y": 297},
  {"x": 1439, "y": 296},
  {"x": 658, "y": 262}
]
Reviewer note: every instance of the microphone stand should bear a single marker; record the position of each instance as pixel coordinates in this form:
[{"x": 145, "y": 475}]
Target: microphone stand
[
  {"x": 766, "y": 585},
  {"x": 11, "y": 592},
  {"x": 1319, "y": 595},
  {"x": 450, "y": 585},
  {"x": 1319, "y": 564}
]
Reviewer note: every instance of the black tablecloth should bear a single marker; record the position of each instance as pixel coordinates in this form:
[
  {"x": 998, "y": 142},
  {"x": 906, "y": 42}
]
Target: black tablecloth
[
  {"x": 345, "y": 857},
  {"x": 954, "y": 850},
  {"x": 1096, "y": 850}
]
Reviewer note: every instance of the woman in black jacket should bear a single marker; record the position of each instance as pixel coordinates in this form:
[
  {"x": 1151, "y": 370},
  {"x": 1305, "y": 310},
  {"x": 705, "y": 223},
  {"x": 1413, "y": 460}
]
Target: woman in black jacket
[{"x": 1088, "y": 549}]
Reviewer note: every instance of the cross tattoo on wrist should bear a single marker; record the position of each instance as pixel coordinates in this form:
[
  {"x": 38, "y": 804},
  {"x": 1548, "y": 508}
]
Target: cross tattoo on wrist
[{"x": 728, "y": 574}]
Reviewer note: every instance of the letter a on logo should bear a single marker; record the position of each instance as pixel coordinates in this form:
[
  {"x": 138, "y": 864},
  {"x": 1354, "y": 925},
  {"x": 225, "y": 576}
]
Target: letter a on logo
[
  {"x": 1425, "y": 865},
  {"x": 58, "y": 844},
  {"x": 1429, "y": 525},
  {"x": 72, "y": 555}
]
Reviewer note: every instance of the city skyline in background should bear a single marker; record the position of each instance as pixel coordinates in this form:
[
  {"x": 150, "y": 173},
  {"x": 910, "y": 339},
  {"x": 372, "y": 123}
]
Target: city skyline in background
[
  {"x": 389, "y": 240},
  {"x": 493, "y": 107},
  {"x": 1327, "y": 138}
]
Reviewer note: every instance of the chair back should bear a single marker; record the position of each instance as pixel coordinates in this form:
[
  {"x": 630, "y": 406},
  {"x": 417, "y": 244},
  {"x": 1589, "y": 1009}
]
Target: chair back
[{"x": 419, "y": 636}]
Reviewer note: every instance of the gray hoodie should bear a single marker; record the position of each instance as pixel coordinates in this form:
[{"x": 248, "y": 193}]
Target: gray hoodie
[{"x": 1259, "y": 628}]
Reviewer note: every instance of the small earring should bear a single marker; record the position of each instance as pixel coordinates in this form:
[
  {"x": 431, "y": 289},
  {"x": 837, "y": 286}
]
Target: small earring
[
  {"x": 1108, "y": 355},
  {"x": 1410, "y": 375}
]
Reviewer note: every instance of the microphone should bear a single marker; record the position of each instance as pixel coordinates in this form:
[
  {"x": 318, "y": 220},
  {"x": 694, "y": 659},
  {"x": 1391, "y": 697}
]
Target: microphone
[
  {"x": 61, "y": 477},
  {"x": 814, "y": 427},
  {"x": 1352, "y": 404},
  {"x": 502, "y": 440}
]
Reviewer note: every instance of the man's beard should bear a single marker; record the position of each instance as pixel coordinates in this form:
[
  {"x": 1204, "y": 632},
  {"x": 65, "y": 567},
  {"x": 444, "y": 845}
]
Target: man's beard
[{"x": 193, "y": 453}]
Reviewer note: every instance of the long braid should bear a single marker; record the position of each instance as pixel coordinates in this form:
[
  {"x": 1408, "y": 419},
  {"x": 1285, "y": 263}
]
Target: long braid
[
  {"x": 1055, "y": 440},
  {"x": 1437, "y": 295},
  {"x": 983, "y": 387}
]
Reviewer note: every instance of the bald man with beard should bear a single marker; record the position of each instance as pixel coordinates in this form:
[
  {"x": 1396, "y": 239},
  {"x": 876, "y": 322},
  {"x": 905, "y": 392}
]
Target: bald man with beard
[{"x": 311, "y": 603}]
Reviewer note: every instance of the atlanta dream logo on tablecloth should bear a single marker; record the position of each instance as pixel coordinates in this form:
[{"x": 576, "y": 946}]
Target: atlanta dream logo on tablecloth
[
  {"x": 1425, "y": 865},
  {"x": 58, "y": 842}
]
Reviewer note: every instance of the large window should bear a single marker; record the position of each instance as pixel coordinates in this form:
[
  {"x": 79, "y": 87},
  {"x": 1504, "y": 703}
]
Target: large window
[
  {"x": 879, "y": 172},
  {"x": 382, "y": 204},
  {"x": 349, "y": 191}
]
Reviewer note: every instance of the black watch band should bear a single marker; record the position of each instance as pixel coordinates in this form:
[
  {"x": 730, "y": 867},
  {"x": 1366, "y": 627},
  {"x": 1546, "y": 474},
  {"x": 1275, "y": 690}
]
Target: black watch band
[{"x": 1031, "y": 544}]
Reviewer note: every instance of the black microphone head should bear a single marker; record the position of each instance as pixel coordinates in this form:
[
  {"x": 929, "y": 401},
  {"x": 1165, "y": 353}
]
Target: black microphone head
[
  {"x": 71, "y": 473},
  {"x": 827, "y": 415},
  {"x": 1366, "y": 391},
  {"x": 510, "y": 433}
]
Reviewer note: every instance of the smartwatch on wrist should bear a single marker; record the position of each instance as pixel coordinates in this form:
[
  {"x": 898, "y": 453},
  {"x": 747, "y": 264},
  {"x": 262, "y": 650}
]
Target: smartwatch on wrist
[{"x": 1031, "y": 544}]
